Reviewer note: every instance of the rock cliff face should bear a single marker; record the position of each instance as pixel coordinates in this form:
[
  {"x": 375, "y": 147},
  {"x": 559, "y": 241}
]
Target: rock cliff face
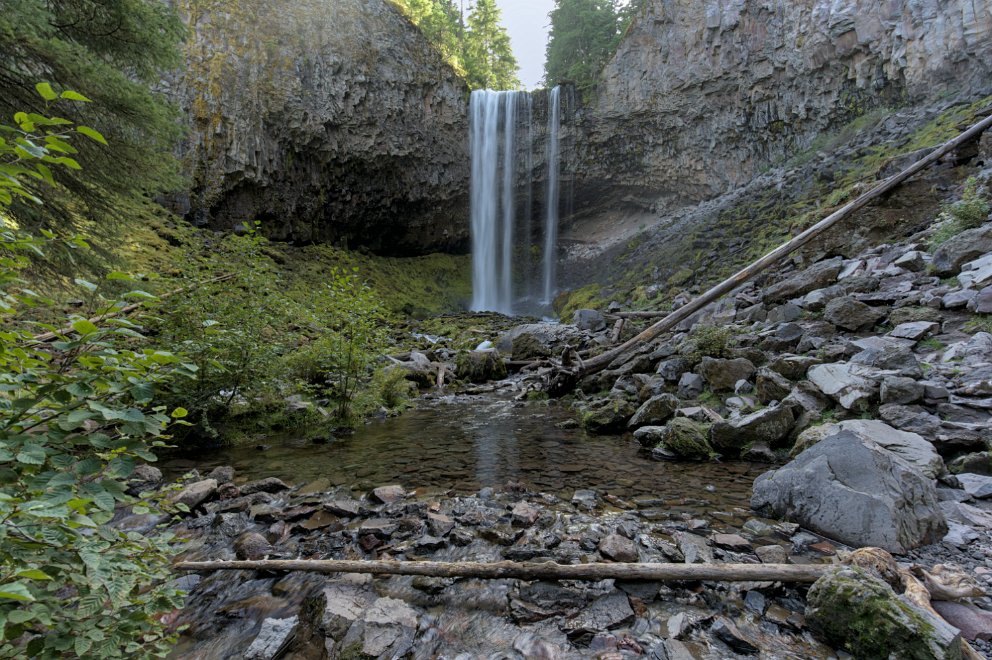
[
  {"x": 702, "y": 95},
  {"x": 327, "y": 120}
]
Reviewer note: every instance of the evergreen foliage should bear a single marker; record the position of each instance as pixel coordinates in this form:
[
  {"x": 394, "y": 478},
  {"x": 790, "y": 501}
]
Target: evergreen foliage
[
  {"x": 584, "y": 36},
  {"x": 113, "y": 52},
  {"x": 478, "y": 47},
  {"x": 489, "y": 60}
]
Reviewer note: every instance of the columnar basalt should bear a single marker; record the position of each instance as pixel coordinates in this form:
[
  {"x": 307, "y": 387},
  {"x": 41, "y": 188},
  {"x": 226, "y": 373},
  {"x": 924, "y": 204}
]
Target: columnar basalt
[
  {"x": 326, "y": 120},
  {"x": 703, "y": 95}
]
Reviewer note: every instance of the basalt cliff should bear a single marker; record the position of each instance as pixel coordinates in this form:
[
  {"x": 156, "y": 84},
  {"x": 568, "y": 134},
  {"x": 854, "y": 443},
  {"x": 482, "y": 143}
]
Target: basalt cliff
[
  {"x": 325, "y": 120},
  {"x": 701, "y": 96}
]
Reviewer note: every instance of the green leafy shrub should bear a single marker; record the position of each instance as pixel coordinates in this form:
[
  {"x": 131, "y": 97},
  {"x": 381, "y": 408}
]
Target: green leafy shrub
[{"x": 75, "y": 417}]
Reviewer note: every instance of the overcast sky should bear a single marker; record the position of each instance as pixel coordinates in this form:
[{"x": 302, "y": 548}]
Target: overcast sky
[{"x": 527, "y": 22}]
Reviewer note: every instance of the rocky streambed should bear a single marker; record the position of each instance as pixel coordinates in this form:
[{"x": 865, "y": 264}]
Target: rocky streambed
[{"x": 617, "y": 504}]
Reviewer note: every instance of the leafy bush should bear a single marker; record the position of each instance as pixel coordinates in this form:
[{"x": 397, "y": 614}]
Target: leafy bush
[
  {"x": 708, "y": 340},
  {"x": 75, "y": 418}
]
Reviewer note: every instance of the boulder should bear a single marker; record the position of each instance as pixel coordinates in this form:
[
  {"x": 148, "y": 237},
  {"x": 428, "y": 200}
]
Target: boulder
[
  {"x": 681, "y": 438},
  {"x": 977, "y": 485},
  {"x": 982, "y": 302},
  {"x": 861, "y": 614},
  {"x": 270, "y": 639},
  {"x": 690, "y": 386},
  {"x": 539, "y": 340},
  {"x": 722, "y": 374},
  {"x": 480, "y": 366},
  {"x": 890, "y": 355},
  {"x": 388, "y": 494},
  {"x": 952, "y": 255},
  {"x": 607, "y": 415},
  {"x": 914, "y": 330},
  {"x": 618, "y": 548},
  {"x": 769, "y": 425},
  {"x": 910, "y": 447},
  {"x": 267, "y": 485},
  {"x": 853, "y": 386},
  {"x": 605, "y": 613},
  {"x": 589, "y": 320},
  {"x": 901, "y": 390},
  {"x": 771, "y": 386},
  {"x": 673, "y": 368},
  {"x": 385, "y": 629},
  {"x": 817, "y": 276},
  {"x": 654, "y": 411},
  {"x": 851, "y": 314},
  {"x": 793, "y": 367},
  {"x": 974, "y": 623},
  {"x": 195, "y": 493},
  {"x": 854, "y": 491},
  {"x": 958, "y": 298}
]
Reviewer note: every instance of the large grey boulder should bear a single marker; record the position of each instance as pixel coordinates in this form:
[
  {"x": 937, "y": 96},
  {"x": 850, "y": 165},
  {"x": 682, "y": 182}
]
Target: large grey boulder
[
  {"x": 722, "y": 374},
  {"x": 589, "y": 320},
  {"x": 967, "y": 246},
  {"x": 538, "y": 340},
  {"x": 769, "y": 425},
  {"x": 655, "y": 410},
  {"x": 910, "y": 447},
  {"x": 851, "y": 314},
  {"x": 854, "y": 491},
  {"x": 853, "y": 386},
  {"x": 817, "y": 276},
  {"x": 891, "y": 355}
]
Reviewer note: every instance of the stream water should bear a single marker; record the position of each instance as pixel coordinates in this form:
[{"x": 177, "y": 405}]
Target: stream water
[{"x": 463, "y": 444}]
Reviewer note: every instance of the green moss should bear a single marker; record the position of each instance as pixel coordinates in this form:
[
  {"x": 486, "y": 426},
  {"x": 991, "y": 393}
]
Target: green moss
[
  {"x": 980, "y": 323},
  {"x": 687, "y": 439},
  {"x": 862, "y": 615},
  {"x": 587, "y": 297}
]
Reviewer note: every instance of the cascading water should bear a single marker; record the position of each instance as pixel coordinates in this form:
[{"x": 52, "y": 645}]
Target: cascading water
[
  {"x": 551, "y": 204},
  {"x": 499, "y": 187}
]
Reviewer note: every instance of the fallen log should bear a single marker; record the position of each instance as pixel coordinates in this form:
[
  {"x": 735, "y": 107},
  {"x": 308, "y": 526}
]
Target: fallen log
[
  {"x": 566, "y": 379},
  {"x": 796, "y": 573}
]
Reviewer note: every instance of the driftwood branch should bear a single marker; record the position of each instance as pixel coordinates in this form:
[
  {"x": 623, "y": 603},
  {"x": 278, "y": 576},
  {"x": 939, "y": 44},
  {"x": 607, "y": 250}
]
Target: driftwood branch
[
  {"x": 123, "y": 311},
  {"x": 799, "y": 573},
  {"x": 567, "y": 380}
]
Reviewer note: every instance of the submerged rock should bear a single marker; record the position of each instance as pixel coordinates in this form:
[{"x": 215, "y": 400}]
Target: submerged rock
[
  {"x": 769, "y": 425},
  {"x": 856, "y": 492},
  {"x": 862, "y": 615},
  {"x": 681, "y": 438}
]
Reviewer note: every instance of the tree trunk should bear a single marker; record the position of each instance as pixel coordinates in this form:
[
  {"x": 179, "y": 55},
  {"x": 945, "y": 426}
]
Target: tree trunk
[{"x": 800, "y": 573}]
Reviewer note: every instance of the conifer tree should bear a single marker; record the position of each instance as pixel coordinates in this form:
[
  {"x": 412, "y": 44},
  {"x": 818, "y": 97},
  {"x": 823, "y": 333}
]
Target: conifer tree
[
  {"x": 489, "y": 60},
  {"x": 584, "y": 36},
  {"x": 113, "y": 52}
]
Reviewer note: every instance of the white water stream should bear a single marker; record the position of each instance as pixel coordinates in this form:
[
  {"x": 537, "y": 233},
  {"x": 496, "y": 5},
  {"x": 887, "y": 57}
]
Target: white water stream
[{"x": 502, "y": 199}]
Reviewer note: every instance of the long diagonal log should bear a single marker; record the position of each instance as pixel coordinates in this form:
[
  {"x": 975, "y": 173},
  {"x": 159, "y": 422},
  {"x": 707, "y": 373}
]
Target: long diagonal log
[
  {"x": 798, "y": 573},
  {"x": 565, "y": 382}
]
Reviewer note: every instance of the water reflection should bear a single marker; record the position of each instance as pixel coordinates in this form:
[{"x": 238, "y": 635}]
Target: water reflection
[{"x": 462, "y": 444}]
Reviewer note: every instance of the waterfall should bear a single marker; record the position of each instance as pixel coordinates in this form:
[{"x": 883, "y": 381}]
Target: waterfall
[
  {"x": 498, "y": 187},
  {"x": 551, "y": 210}
]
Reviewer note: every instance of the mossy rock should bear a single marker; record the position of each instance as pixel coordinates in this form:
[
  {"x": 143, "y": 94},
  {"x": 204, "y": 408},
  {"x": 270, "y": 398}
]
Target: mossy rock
[
  {"x": 480, "y": 366},
  {"x": 861, "y": 614},
  {"x": 607, "y": 415},
  {"x": 913, "y": 314},
  {"x": 682, "y": 439}
]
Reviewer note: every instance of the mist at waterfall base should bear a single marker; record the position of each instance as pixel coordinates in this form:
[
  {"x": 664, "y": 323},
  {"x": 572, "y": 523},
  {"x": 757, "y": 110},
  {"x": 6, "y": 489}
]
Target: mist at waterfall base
[{"x": 508, "y": 276}]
